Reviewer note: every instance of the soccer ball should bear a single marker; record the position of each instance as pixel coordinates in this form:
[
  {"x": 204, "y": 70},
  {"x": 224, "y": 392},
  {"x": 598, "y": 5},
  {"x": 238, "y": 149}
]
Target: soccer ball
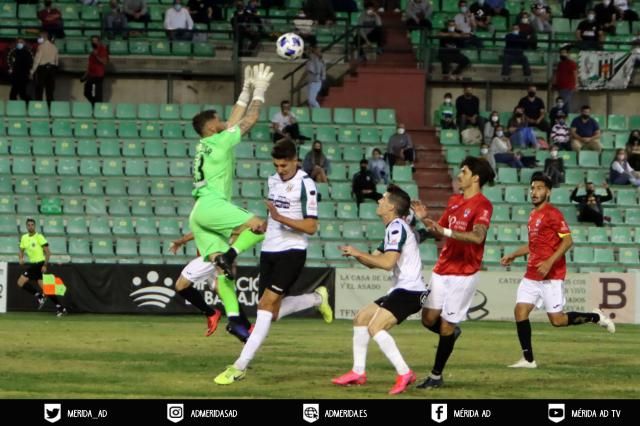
[{"x": 290, "y": 46}]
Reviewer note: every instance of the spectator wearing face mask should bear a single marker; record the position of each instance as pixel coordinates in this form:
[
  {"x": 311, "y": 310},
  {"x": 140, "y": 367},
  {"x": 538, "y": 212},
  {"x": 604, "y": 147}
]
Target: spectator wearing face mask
[
  {"x": 484, "y": 153},
  {"x": 490, "y": 127},
  {"x": 465, "y": 22},
  {"x": 378, "y": 167},
  {"x": 585, "y": 132},
  {"x": 316, "y": 164},
  {"x": 560, "y": 132},
  {"x": 45, "y": 68},
  {"x": 136, "y": 10},
  {"x": 400, "y": 148},
  {"x": 51, "y": 20},
  {"x": 96, "y": 67},
  {"x": 521, "y": 135},
  {"x": 606, "y": 16},
  {"x": 363, "y": 184},
  {"x": 534, "y": 111},
  {"x": 566, "y": 78},
  {"x": 19, "y": 62},
  {"x": 178, "y": 23},
  {"x": 515, "y": 45},
  {"x": 468, "y": 108},
  {"x": 541, "y": 16},
  {"x": 624, "y": 11},
  {"x": 554, "y": 167},
  {"x": 370, "y": 32},
  {"x": 451, "y": 41},
  {"x": 590, "y": 205},
  {"x": 482, "y": 13},
  {"x": 589, "y": 33},
  {"x": 446, "y": 112},
  {"x": 418, "y": 14},
  {"x": 527, "y": 30},
  {"x": 633, "y": 149},
  {"x": 502, "y": 151},
  {"x": 115, "y": 21},
  {"x": 621, "y": 172}
]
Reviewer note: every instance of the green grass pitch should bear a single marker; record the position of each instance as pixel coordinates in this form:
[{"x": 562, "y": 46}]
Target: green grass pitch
[{"x": 124, "y": 356}]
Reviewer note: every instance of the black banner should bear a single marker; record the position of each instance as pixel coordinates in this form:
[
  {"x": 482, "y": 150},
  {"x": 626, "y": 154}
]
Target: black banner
[
  {"x": 320, "y": 412},
  {"x": 146, "y": 289}
]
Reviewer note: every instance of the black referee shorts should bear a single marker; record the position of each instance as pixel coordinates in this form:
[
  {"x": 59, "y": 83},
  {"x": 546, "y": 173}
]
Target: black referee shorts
[
  {"x": 33, "y": 271},
  {"x": 280, "y": 270},
  {"x": 402, "y": 303}
]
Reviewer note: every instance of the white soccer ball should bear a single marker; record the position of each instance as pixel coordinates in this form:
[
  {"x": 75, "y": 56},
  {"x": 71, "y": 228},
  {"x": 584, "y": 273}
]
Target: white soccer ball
[{"x": 290, "y": 46}]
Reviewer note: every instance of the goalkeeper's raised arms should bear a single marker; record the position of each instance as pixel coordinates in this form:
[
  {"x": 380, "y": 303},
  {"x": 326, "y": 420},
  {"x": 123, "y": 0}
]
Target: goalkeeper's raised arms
[
  {"x": 243, "y": 100},
  {"x": 261, "y": 79}
]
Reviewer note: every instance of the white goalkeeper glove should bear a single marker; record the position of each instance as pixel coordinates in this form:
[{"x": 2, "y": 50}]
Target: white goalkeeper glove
[
  {"x": 262, "y": 76},
  {"x": 245, "y": 95}
]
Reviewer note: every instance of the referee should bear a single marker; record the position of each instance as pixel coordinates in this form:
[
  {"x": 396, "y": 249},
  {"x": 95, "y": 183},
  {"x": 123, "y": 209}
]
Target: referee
[{"x": 36, "y": 247}]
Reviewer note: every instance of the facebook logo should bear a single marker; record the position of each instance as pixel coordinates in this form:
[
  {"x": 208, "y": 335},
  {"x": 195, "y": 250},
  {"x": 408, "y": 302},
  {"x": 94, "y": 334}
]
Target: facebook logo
[
  {"x": 438, "y": 412},
  {"x": 556, "y": 412}
]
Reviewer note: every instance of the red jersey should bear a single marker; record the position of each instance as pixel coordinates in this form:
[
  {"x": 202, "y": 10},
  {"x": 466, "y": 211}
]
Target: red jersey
[
  {"x": 566, "y": 75},
  {"x": 459, "y": 257},
  {"x": 95, "y": 68},
  {"x": 545, "y": 227}
]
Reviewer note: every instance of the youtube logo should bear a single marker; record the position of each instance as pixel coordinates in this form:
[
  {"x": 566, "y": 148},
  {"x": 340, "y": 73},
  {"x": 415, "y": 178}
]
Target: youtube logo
[{"x": 556, "y": 412}]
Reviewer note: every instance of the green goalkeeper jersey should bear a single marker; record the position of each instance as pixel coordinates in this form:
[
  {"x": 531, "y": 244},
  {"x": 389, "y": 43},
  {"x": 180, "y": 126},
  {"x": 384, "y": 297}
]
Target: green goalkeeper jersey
[{"x": 214, "y": 164}]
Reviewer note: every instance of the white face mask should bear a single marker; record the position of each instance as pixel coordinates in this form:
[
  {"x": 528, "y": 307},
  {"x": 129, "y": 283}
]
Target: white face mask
[
  {"x": 19, "y": 46},
  {"x": 554, "y": 154},
  {"x": 484, "y": 151},
  {"x": 40, "y": 40},
  {"x": 591, "y": 17},
  {"x": 494, "y": 118},
  {"x": 400, "y": 131},
  {"x": 620, "y": 158},
  {"x": 499, "y": 133},
  {"x": 525, "y": 20},
  {"x": 447, "y": 100},
  {"x": 560, "y": 104},
  {"x": 452, "y": 29}
]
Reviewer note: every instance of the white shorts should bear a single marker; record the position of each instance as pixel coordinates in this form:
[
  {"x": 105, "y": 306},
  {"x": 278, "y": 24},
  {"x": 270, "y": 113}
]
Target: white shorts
[
  {"x": 549, "y": 293},
  {"x": 452, "y": 294},
  {"x": 199, "y": 270}
]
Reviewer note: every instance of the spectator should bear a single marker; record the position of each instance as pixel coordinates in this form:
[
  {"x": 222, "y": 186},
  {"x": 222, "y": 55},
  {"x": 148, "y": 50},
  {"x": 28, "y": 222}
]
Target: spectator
[
  {"x": 482, "y": 14},
  {"x": 515, "y": 45},
  {"x": 590, "y": 204},
  {"x": 19, "y": 63},
  {"x": 528, "y": 31},
  {"x": 320, "y": 11},
  {"x": 466, "y": 23},
  {"x": 316, "y": 164},
  {"x": 521, "y": 135},
  {"x": 468, "y": 109},
  {"x": 370, "y": 31},
  {"x": 560, "y": 132},
  {"x": 621, "y": 172},
  {"x": 585, "y": 132},
  {"x": 484, "y": 153},
  {"x": 400, "y": 148},
  {"x": 606, "y": 15},
  {"x": 554, "y": 167},
  {"x": 378, "y": 167},
  {"x": 490, "y": 127},
  {"x": 574, "y": 9},
  {"x": 363, "y": 184},
  {"x": 624, "y": 12},
  {"x": 246, "y": 26},
  {"x": 498, "y": 7},
  {"x": 204, "y": 11},
  {"x": 418, "y": 14},
  {"x": 45, "y": 68},
  {"x": 633, "y": 149},
  {"x": 51, "y": 20},
  {"x": 285, "y": 124},
  {"x": 589, "y": 33},
  {"x": 94, "y": 77},
  {"x": 534, "y": 112},
  {"x": 451, "y": 41},
  {"x": 566, "y": 78},
  {"x": 178, "y": 23},
  {"x": 115, "y": 22},
  {"x": 136, "y": 10},
  {"x": 316, "y": 72},
  {"x": 446, "y": 112},
  {"x": 502, "y": 151},
  {"x": 541, "y": 17},
  {"x": 559, "y": 106}
]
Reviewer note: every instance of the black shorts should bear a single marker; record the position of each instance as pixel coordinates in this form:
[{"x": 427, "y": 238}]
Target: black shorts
[
  {"x": 402, "y": 303},
  {"x": 33, "y": 271},
  {"x": 280, "y": 270}
]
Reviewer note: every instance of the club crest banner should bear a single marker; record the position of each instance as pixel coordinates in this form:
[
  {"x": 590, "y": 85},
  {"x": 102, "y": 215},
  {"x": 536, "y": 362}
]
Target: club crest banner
[{"x": 600, "y": 70}]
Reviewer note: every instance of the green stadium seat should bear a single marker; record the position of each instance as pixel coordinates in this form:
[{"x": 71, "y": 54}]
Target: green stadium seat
[
  {"x": 402, "y": 174},
  {"x": 25, "y": 185},
  {"x": 603, "y": 256},
  {"x": 338, "y": 171},
  {"x": 70, "y": 186},
  {"x": 96, "y": 206},
  {"x": 507, "y": 175},
  {"x": 584, "y": 255},
  {"x": 81, "y": 110},
  {"x": 514, "y": 194},
  {"x": 160, "y": 187},
  {"x": 53, "y": 226},
  {"x": 84, "y": 129},
  {"x": 180, "y": 168},
  {"x": 109, "y": 148},
  {"x": 182, "y": 188},
  {"x": 332, "y": 152},
  {"x": 133, "y": 167},
  {"x": 203, "y": 49},
  {"x": 367, "y": 211},
  {"x": 22, "y": 166},
  {"x": 374, "y": 231},
  {"x": 112, "y": 167},
  {"x": 148, "y": 112},
  {"x": 145, "y": 226},
  {"x": 597, "y": 235},
  {"x": 115, "y": 187},
  {"x": 599, "y": 175},
  {"x": 493, "y": 193},
  {"x": 449, "y": 137},
  {"x": 332, "y": 250},
  {"x": 17, "y": 128},
  {"x": 132, "y": 148},
  {"x": 181, "y": 48},
  {"x": 101, "y": 247},
  {"x": 632, "y": 216},
  {"x": 20, "y": 146},
  {"x": 629, "y": 256},
  {"x": 327, "y": 230},
  {"x": 589, "y": 159},
  {"x": 106, "y": 129},
  {"x": 352, "y": 154},
  {"x": 38, "y": 109},
  {"x": 164, "y": 207},
  {"x": 118, "y": 207},
  {"x": 104, "y": 110},
  {"x": 141, "y": 208},
  {"x": 79, "y": 246},
  {"x": 386, "y": 117},
  {"x": 47, "y": 187},
  {"x": 369, "y": 136},
  {"x": 364, "y": 116},
  {"x": 428, "y": 253},
  {"x": 39, "y": 129},
  {"x": 245, "y": 150},
  {"x": 170, "y": 112},
  {"x": 262, "y": 151},
  {"x": 347, "y": 135},
  {"x": 149, "y": 248},
  {"x": 341, "y": 191},
  {"x": 352, "y": 230},
  {"x": 177, "y": 149},
  {"x": 246, "y": 170},
  {"x": 73, "y": 206},
  {"x": 126, "y": 111},
  {"x": 188, "y": 111},
  {"x": 617, "y": 122},
  {"x": 261, "y": 133},
  {"x": 501, "y": 214},
  {"x": 507, "y": 233},
  {"x": 150, "y": 130},
  {"x": 168, "y": 227},
  {"x": 160, "y": 48},
  {"x": 573, "y": 176},
  {"x": 43, "y": 147},
  {"x": 157, "y": 167},
  {"x": 92, "y": 187},
  {"x": 326, "y": 210},
  {"x": 621, "y": 235},
  {"x": 27, "y": 205},
  {"x": 139, "y": 47},
  {"x": 455, "y": 155},
  {"x": 122, "y": 226},
  {"x": 343, "y": 116},
  {"x": 16, "y": 109},
  {"x": 302, "y": 114},
  {"x": 171, "y": 131}
]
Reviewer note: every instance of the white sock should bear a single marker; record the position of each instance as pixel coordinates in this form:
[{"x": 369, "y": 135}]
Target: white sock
[
  {"x": 293, "y": 304},
  {"x": 360, "y": 343},
  {"x": 259, "y": 333},
  {"x": 389, "y": 348}
]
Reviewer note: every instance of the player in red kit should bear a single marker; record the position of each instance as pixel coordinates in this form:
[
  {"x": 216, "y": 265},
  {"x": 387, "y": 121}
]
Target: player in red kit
[
  {"x": 454, "y": 279},
  {"x": 543, "y": 283}
]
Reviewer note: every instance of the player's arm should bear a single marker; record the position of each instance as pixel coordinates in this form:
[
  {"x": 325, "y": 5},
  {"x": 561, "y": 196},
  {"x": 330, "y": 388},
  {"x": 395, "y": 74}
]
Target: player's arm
[
  {"x": 176, "y": 244},
  {"x": 476, "y": 236},
  {"x": 377, "y": 260},
  {"x": 243, "y": 100},
  {"x": 262, "y": 76},
  {"x": 47, "y": 255},
  {"x": 523, "y": 250}
]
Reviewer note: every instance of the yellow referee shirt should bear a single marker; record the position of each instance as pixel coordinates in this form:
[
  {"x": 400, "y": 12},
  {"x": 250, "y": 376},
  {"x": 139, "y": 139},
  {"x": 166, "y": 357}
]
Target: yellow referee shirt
[{"x": 32, "y": 246}]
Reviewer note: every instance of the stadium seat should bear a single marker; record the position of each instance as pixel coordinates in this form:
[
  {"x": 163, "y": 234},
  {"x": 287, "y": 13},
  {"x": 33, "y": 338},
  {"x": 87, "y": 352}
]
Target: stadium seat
[
  {"x": 449, "y": 137},
  {"x": 176, "y": 149},
  {"x": 112, "y": 167},
  {"x": 428, "y": 253},
  {"x": 347, "y": 135},
  {"x": 507, "y": 233},
  {"x": 402, "y": 174},
  {"x": 25, "y": 185},
  {"x": 16, "y": 109},
  {"x": 101, "y": 247},
  {"x": 367, "y": 211},
  {"x": 122, "y": 226},
  {"x": 81, "y": 110},
  {"x": 92, "y": 187},
  {"x": 588, "y": 159},
  {"x": 603, "y": 256},
  {"x": 632, "y": 216},
  {"x": 38, "y": 109},
  {"x": 165, "y": 207},
  {"x": 352, "y": 230},
  {"x": 321, "y": 115},
  {"x": 584, "y": 255},
  {"x": 341, "y": 191},
  {"x": 103, "y": 110},
  {"x": 386, "y": 117},
  {"x": 52, "y": 226},
  {"x": 369, "y": 136},
  {"x": 597, "y": 235},
  {"x": 96, "y": 206},
  {"x": 617, "y": 122},
  {"x": 79, "y": 246},
  {"x": 22, "y": 166},
  {"x": 326, "y": 210},
  {"x": 620, "y": 235},
  {"x": 338, "y": 171},
  {"x": 352, "y": 154},
  {"x": 343, "y": 116},
  {"x": 327, "y": 230},
  {"x": 374, "y": 231},
  {"x": 138, "y": 187},
  {"x": 182, "y": 187},
  {"x": 17, "y": 128},
  {"x": 629, "y": 256},
  {"x": 364, "y": 116},
  {"x": 47, "y": 187},
  {"x": 514, "y": 194},
  {"x": 507, "y": 175}
]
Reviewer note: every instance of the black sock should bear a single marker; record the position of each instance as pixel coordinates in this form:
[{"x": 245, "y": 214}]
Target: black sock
[
  {"x": 524, "y": 335},
  {"x": 435, "y": 327},
  {"x": 196, "y": 299},
  {"x": 55, "y": 300},
  {"x": 231, "y": 254},
  {"x": 445, "y": 347},
  {"x": 29, "y": 288},
  {"x": 243, "y": 318},
  {"x": 577, "y": 318}
]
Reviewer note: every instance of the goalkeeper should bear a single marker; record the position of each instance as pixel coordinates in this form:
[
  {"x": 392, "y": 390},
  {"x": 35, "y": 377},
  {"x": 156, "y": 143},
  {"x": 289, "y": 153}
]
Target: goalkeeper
[{"x": 214, "y": 220}]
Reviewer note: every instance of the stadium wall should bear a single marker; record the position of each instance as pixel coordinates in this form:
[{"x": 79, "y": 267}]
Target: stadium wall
[{"x": 3, "y": 287}]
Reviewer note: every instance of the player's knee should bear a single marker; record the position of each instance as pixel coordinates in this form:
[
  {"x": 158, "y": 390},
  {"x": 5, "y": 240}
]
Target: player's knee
[
  {"x": 373, "y": 329},
  {"x": 557, "y": 321}
]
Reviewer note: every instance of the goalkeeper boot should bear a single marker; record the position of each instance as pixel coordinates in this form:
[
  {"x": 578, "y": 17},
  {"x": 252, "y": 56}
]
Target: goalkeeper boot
[
  {"x": 212, "y": 322},
  {"x": 350, "y": 378},
  {"x": 230, "y": 375},
  {"x": 402, "y": 382},
  {"x": 325, "y": 308},
  {"x": 225, "y": 263}
]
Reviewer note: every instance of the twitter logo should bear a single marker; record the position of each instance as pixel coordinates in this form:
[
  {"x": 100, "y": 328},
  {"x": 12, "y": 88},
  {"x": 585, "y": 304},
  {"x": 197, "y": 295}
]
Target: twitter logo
[{"x": 52, "y": 412}]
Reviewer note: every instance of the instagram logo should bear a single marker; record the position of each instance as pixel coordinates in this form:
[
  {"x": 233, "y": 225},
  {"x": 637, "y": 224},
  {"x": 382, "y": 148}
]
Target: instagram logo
[{"x": 175, "y": 412}]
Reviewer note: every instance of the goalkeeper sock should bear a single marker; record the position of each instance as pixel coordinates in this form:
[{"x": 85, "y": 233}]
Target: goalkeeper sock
[
  {"x": 227, "y": 293},
  {"x": 524, "y": 335},
  {"x": 577, "y": 318},
  {"x": 445, "y": 347},
  {"x": 195, "y": 298},
  {"x": 245, "y": 241}
]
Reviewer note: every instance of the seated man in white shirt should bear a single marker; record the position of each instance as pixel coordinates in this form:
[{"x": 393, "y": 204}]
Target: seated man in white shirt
[
  {"x": 285, "y": 124},
  {"x": 178, "y": 22}
]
